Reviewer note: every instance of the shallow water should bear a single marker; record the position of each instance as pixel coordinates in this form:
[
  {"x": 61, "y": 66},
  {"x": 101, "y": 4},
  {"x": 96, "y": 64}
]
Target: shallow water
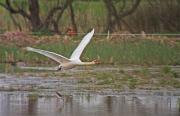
[
  {"x": 41, "y": 99},
  {"x": 47, "y": 104},
  {"x": 7, "y": 68}
]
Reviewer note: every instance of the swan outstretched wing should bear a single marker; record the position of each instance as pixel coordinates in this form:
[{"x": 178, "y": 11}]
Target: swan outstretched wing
[
  {"x": 56, "y": 57},
  {"x": 78, "y": 51}
]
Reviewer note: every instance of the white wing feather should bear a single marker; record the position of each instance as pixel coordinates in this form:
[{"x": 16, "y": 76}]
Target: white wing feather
[
  {"x": 56, "y": 57},
  {"x": 78, "y": 51}
]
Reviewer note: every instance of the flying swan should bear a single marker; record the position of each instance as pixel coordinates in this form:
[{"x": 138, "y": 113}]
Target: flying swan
[{"x": 66, "y": 63}]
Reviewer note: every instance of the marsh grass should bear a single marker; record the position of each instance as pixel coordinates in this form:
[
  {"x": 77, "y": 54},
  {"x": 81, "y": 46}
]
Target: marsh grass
[
  {"x": 116, "y": 80},
  {"x": 132, "y": 82},
  {"x": 168, "y": 72},
  {"x": 144, "y": 52},
  {"x": 169, "y": 82}
]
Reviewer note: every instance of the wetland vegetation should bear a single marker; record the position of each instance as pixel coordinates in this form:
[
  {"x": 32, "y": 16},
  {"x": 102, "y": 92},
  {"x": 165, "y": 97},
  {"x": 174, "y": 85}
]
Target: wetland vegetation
[
  {"x": 120, "y": 51},
  {"x": 111, "y": 50},
  {"x": 136, "y": 41}
]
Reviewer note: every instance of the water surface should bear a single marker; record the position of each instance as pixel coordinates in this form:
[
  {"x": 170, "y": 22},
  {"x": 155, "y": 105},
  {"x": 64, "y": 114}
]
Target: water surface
[
  {"x": 33, "y": 94},
  {"x": 47, "y": 104}
]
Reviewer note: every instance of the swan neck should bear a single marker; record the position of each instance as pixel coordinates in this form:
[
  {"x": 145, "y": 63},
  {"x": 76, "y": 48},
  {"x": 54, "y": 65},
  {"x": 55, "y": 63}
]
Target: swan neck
[{"x": 88, "y": 63}]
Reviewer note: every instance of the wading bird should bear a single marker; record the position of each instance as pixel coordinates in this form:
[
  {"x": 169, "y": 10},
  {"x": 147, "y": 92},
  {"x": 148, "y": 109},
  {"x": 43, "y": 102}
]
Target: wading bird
[{"x": 66, "y": 63}]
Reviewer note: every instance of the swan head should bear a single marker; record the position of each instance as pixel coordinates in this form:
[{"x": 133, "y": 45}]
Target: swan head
[{"x": 96, "y": 62}]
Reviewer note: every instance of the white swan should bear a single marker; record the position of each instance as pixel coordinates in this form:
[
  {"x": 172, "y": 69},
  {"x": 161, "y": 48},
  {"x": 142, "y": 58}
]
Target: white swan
[{"x": 65, "y": 63}]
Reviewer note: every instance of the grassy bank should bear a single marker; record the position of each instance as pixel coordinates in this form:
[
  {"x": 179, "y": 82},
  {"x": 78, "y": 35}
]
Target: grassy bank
[
  {"x": 135, "y": 79},
  {"x": 100, "y": 78},
  {"x": 141, "y": 52}
]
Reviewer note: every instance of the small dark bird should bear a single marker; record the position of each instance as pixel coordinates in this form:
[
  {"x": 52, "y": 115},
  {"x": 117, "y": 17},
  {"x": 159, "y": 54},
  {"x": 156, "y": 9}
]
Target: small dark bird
[{"x": 59, "y": 95}]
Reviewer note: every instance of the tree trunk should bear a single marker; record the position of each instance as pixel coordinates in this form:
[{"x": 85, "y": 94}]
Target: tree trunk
[
  {"x": 72, "y": 16},
  {"x": 34, "y": 14},
  {"x": 114, "y": 18}
]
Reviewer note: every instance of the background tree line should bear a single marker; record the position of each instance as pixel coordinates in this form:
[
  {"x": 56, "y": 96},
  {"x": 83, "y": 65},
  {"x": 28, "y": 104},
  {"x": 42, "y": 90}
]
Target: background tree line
[{"x": 151, "y": 16}]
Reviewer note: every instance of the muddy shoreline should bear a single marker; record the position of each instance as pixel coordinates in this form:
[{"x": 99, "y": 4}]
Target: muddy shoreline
[{"x": 100, "y": 80}]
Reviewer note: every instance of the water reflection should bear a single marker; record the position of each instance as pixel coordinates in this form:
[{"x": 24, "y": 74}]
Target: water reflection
[{"x": 27, "y": 104}]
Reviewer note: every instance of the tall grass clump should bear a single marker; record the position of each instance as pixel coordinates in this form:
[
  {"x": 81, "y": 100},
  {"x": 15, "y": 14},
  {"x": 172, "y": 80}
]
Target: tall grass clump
[
  {"x": 127, "y": 52},
  {"x": 142, "y": 52}
]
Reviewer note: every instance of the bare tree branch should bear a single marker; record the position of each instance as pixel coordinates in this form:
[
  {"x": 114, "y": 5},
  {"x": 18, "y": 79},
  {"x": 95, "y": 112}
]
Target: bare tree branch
[
  {"x": 3, "y": 5},
  {"x": 32, "y": 15},
  {"x": 61, "y": 12},
  {"x": 123, "y": 5},
  {"x": 12, "y": 10},
  {"x": 133, "y": 8},
  {"x": 51, "y": 14},
  {"x": 72, "y": 15},
  {"x": 15, "y": 22},
  {"x": 114, "y": 17},
  {"x": 50, "y": 19}
]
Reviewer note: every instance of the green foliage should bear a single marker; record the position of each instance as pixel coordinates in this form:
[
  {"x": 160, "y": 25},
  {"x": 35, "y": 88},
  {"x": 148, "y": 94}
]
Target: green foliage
[
  {"x": 170, "y": 82},
  {"x": 132, "y": 82},
  {"x": 142, "y": 52},
  {"x": 105, "y": 78},
  {"x": 145, "y": 72},
  {"x": 162, "y": 16},
  {"x": 175, "y": 75},
  {"x": 166, "y": 70}
]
